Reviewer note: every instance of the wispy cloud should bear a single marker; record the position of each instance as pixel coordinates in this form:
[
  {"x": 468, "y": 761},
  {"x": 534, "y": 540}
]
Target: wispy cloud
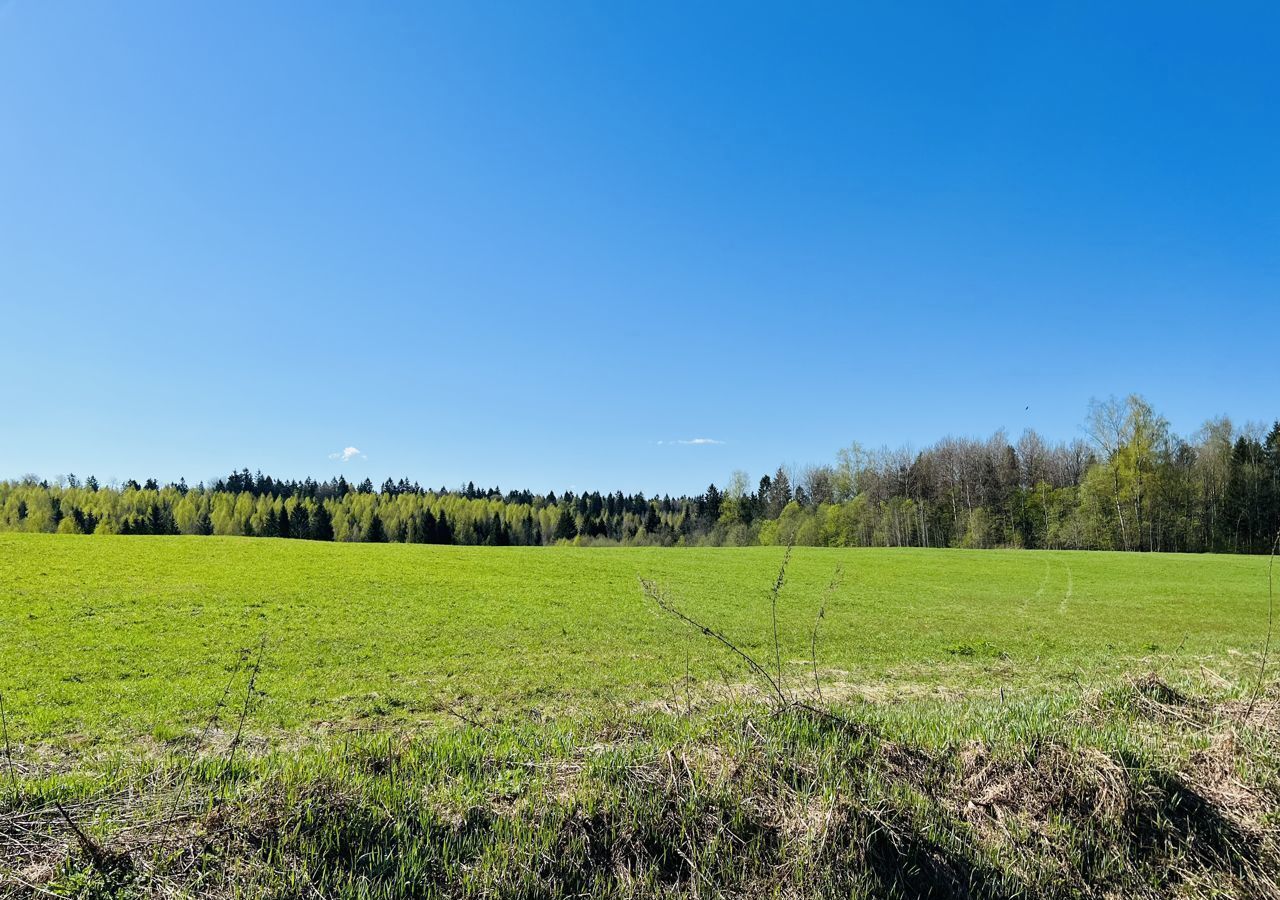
[
  {"x": 346, "y": 454},
  {"x": 694, "y": 442}
]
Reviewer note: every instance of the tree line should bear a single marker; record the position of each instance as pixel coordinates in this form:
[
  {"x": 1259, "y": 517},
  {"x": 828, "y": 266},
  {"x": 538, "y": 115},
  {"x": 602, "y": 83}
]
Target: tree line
[{"x": 1133, "y": 485}]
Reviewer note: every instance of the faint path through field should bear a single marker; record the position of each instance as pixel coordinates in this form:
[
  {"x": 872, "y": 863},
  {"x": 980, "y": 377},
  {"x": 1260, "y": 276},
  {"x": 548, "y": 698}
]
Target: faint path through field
[
  {"x": 1071, "y": 589},
  {"x": 1044, "y": 580}
]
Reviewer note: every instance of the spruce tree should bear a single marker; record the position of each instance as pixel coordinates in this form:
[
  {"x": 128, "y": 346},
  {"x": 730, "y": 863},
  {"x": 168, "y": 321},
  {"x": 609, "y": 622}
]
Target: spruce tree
[
  {"x": 1271, "y": 464},
  {"x": 428, "y": 527},
  {"x": 321, "y": 523},
  {"x": 444, "y": 531},
  {"x": 651, "y": 521},
  {"x": 711, "y": 505},
  {"x": 498, "y": 536},
  {"x": 566, "y": 527},
  {"x": 160, "y": 519}
]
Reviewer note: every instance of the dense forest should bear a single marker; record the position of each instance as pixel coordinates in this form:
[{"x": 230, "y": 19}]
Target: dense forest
[{"x": 1133, "y": 485}]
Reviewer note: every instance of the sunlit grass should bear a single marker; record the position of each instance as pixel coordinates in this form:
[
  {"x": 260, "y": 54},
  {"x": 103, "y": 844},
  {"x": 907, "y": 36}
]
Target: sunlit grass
[
  {"x": 104, "y": 640},
  {"x": 269, "y": 718}
]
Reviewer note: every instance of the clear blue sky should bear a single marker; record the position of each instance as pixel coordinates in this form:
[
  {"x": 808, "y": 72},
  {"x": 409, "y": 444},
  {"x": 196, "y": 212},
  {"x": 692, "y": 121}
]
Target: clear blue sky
[{"x": 524, "y": 243}]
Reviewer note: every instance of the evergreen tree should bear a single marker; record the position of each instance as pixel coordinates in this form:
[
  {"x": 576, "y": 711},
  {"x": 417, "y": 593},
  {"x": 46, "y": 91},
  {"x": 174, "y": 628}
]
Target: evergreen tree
[
  {"x": 566, "y": 527},
  {"x": 444, "y": 530},
  {"x": 779, "y": 492},
  {"x": 426, "y": 529},
  {"x": 651, "y": 521},
  {"x": 160, "y": 519},
  {"x": 499, "y": 537},
  {"x": 300, "y": 523},
  {"x": 321, "y": 523},
  {"x": 711, "y": 504},
  {"x": 1271, "y": 466}
]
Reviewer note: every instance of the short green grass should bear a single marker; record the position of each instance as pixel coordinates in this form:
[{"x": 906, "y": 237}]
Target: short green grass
[
  {"x": 108, "y": 639},
  {"x": 525, "y": 722}
]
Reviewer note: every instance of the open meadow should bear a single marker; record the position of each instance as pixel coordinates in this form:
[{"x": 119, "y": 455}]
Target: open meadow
[
  {"x": 639, "y": 451},
  {"x": 235, "y": 717},
  {"x": 111, "y": 640}
]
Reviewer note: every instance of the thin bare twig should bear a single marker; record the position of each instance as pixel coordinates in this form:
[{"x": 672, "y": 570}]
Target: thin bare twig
[
  {"x": 655, "y": 593},
  {"x": 8, "y": 751},
  {"x": 773, "y": 610},
  {"x": 209, "y": 724},
  {"x": 34, "y": 888},
  {"x": 785, "y": 702},
  {"x": 832, "y": 587},
  {"x": 464, "y": 718},
  {"x": 1266, "y": 647},
  {"x": 248, "y": 701},
  {"x": 103, "y": 861},
  {"x": 688, "y": 696}
]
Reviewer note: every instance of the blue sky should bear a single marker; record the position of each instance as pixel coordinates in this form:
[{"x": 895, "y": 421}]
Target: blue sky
[{"x": 541, "y": 245}]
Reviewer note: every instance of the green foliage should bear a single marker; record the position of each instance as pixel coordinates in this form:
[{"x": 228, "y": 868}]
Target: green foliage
[{"x": 1136, "y": 487}]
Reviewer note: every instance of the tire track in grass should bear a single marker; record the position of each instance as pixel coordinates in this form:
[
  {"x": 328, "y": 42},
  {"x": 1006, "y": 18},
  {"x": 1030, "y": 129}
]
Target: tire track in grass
[
  {"x": 1044, "y": 580},
  {"x": 1071, "y": 589}
]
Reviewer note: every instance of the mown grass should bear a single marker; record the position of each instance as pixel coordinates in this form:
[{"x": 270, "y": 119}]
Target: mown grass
[
  {"x": 225, "y": 717},
  {"x": 107, "y": 640}
]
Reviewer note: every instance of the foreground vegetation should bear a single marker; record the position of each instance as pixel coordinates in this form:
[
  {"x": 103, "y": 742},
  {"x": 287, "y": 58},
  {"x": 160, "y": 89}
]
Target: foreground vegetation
[
  {"x": 226, "y": 717},
  {"x": 1139, "y": 790},
  {"x": 1135, "y": 486}
]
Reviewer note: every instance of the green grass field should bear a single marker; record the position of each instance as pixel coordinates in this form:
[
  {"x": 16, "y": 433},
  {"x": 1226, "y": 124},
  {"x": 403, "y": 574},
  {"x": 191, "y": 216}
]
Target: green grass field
[
  {"x": 993, "y": 724},
  {"x": 110, "y": 638}
]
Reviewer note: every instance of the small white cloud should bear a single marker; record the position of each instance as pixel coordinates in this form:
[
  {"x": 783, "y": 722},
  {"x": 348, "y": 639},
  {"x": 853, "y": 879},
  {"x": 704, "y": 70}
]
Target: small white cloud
[
  {"x": 346, "y": 454},
  {"x": 694, "y": 442}
]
